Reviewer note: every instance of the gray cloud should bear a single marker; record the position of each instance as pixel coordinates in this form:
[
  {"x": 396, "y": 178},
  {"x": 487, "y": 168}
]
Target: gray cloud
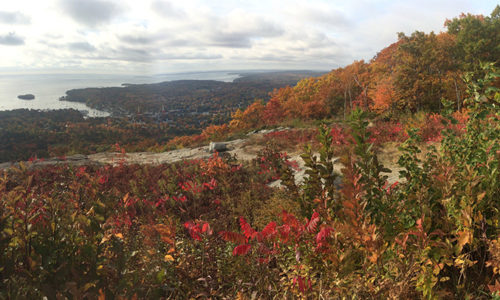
[
  {"x": 271, "y": 57},
  {"x": 11, "y": 39},
  {"x": 242, "y": 37},
  {"x": 188, "y": 56},
  {"x": 166, "y": 9},
  {"x": 139, "y": 39},
  {"x": 231, "y": 40},
  {"x": 156, "y": 39},
  {"x": 14, "y": 18},
  {"x": 329, "y": 17},
  {"x": 134, "y": 54},
  {"x": 81, "y": 46},
  {"x": 91, "y": 12},
  {"x": 126, "y": 53},
  {"x": 145, "y": 55},
  {"x": 180, "y": 42}
]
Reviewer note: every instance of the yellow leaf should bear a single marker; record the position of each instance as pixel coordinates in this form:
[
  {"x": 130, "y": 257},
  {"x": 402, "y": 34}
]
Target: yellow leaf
[
  {"x": 88, "y": 286},
  {"x": 125, "y": 198},
  {"x": 119, "y": 235},
  {"x": 464, "y": 237},
  {"x": 481, "y": 196},
  {"x": 168, "y": 257}
]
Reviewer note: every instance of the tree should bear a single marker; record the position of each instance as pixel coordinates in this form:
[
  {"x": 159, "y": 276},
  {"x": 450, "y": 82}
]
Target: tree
[
  {"x": 383, "y": 95},
  {"x": 361, "y": 75},
  {"x": 478, "y": 38},
  {"x": 250, "y": 118},
  {"x": 423, "y": 60}
]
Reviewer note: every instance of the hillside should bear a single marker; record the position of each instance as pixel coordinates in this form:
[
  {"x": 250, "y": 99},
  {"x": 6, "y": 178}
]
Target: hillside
[
  {"x": 204, "y": 101},
  {"x": 408, "y": 78},
  {"x": 378, "y": 180}
]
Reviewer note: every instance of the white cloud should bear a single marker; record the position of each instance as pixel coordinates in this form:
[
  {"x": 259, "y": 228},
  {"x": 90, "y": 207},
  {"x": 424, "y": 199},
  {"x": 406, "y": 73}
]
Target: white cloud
[{"x": 165, "y": 35}]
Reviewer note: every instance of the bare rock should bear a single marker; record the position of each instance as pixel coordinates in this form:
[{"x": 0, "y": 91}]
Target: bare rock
[{"x": 217, "y": 147}]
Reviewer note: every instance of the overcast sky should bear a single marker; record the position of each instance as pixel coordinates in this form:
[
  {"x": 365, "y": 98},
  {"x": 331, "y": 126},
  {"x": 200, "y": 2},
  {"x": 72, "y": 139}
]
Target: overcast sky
[{"x": 163, "y": 36}]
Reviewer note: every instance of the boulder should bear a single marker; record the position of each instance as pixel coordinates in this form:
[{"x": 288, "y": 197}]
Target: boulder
[{"x": 217, "y": 146}]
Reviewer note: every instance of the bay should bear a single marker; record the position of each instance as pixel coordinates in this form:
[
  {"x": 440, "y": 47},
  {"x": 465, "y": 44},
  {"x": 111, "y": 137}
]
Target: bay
[{"x": 48, "y": 88}]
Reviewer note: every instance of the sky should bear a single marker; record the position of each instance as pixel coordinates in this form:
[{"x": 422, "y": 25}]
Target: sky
[{"x": 164, "y": 36}]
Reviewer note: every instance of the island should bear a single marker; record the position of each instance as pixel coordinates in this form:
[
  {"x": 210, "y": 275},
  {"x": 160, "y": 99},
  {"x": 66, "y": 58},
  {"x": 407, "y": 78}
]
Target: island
[{"x": 26, "y": 97}]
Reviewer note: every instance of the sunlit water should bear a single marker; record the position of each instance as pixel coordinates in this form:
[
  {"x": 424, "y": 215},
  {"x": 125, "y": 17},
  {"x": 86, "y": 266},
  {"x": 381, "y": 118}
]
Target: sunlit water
[{"x": 48, "y": 88}]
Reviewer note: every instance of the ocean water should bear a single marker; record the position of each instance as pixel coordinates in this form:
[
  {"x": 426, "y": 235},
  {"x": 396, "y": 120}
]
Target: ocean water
[{"x": 48, "y": 88}]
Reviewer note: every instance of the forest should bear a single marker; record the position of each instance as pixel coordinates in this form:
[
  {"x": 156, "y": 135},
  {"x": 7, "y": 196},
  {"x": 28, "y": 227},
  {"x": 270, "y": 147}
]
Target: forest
[
  {"x": 178, "y": 99},
  {"x": 29, "y": 134},
  {"x": 218, "y": 228}
]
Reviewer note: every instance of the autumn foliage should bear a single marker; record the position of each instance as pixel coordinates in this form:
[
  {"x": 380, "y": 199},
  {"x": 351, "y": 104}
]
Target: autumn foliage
[
  {"x": 195, "y": 229},
  {"x": 186, "y": 230},
  {"x": 409, "y": 76}
]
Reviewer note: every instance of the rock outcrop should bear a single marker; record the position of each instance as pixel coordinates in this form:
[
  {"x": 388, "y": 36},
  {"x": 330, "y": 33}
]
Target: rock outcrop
[{"x": 239, "y": 148}]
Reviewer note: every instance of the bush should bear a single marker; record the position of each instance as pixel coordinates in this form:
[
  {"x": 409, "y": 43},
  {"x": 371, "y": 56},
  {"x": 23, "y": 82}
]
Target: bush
[{"x": 188, "y": 230}]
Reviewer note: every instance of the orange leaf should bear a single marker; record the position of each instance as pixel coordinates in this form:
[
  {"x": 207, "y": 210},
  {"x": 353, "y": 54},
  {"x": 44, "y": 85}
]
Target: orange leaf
[
  {"x": 125, "y": 198},
  {"x": 233, "y": 237},
  {"x": 494, "y": 288},
  {"x": 101, "y": 296},
  {"x": 464, "y": 237},
  {"x": 168, "y": 257}
]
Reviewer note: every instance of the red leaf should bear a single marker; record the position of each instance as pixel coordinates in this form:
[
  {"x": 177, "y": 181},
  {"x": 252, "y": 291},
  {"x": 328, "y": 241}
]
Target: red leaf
[
  {"x": 241, "y": 249},
  {"x": 248, "y": 231},
  {"x": 323, "y": 234},
  {"x": 302, "y": 286},
  {"x": 290, "y": 220},
  {"x": 194, "y": 230},
  {"x": 188, "y": 225},
  {"x": 195, "y": 235},
  {"x": 270, "y": 229},
  {"x": 206, "y": 229},
  {"x": 284, "y": 233},
  {"x": 311, "y": 225}
]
